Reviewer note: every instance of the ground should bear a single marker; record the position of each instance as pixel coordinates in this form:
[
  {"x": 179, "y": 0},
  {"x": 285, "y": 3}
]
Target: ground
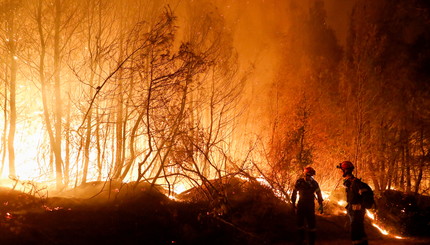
[{"x": 117, "y": 215}]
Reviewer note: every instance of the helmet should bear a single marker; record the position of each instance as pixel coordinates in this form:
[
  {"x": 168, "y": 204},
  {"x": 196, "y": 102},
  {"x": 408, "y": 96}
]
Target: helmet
[
  {"x": 346, "y": 165},
  {"x": 309, "y": 171}
]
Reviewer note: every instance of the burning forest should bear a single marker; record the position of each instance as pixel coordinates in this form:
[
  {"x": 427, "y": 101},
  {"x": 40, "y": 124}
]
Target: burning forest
[{"x": 189, "y": 122}]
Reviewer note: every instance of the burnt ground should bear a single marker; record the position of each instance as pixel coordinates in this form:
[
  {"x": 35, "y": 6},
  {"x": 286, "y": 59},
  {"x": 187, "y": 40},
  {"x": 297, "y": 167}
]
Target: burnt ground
[{"x": 94, "y": 214}]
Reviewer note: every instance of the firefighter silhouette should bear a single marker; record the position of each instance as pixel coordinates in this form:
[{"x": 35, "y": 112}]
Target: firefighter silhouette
[
  {"x": 306, "y": 187},
  {"x": 355, "y": 208}
]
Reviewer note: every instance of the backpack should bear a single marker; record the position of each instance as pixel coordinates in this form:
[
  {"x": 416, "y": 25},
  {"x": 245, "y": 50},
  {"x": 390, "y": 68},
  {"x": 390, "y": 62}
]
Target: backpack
[{"x": 367, "y": 196}]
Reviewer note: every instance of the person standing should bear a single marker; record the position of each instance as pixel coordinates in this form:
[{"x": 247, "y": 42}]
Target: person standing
[
  {"x": 306, "y": 187},
  {"x": 355, "y": 208}
]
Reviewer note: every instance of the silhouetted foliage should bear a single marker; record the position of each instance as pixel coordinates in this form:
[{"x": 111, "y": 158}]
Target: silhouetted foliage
[{"x": 405, "y": 214}]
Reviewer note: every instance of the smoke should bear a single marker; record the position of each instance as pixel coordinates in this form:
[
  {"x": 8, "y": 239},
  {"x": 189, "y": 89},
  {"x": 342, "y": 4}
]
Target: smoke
[
  {"x": 337, "y": 17},
  {"x": 259, "y": 28}
]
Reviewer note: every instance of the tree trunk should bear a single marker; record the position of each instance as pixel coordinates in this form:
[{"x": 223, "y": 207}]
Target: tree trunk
[
  {"x": 401, "y": 182},
  {"x": 119, "y": 129},
  {"x": 421, "y": 162},
  {"x": 99, "y": 148},
  {"x": 12, "y": 105},
  {"x": 12, "y": 91},
  {"x": 57, "y": 96},
  {"x": 408, "y": 168},
  {"x": 67, "y": 143},
  {"x": 43, "y": 82},
  {"x": 5, "y": 129}
]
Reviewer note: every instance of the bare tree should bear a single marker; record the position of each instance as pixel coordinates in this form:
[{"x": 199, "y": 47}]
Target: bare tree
[
  {"x": 53, "y": 34},
  {"x": 9, "y": 27},
  {"x": 204, "y": 147}
]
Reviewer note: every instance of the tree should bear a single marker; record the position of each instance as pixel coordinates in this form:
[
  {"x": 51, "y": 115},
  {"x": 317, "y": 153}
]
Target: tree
[
  {"x": 55, "y": 27},
  {"x": 205, "y": 146},
  {"x": 10, "y": 26},
  {"x": 306, "y": 96},
  {"x": 381, "y": 69},
  {"x": 95, "y": 33}
]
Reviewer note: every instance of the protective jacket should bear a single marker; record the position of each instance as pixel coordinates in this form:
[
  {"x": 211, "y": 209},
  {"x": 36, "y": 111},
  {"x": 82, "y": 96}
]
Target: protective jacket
[
  {"x": 355, "y": 210},
  {"x": 352, "y": 191},
  {"x": 306, "y": 190}
]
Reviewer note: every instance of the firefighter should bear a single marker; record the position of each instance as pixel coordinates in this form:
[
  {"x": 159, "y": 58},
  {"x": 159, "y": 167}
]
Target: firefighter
[
  {"x": 355, "y": 209},
  {"x": 306, "y": 187}
]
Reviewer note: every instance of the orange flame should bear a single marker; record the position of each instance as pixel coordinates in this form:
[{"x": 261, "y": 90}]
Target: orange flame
[{"x": 378, "y": 226}]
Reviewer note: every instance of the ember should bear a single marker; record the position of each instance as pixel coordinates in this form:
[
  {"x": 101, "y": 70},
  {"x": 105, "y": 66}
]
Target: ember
[
  {"x": 8, "y": 216},
  {"x": 54, "y": 209}
]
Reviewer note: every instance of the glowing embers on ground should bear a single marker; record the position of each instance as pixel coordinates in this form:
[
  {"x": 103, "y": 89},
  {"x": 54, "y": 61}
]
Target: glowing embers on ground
[
  {"x": 374, "y": 221},
  {"x": 50, "y": 209},
  {"x": 378, "y": 226}
]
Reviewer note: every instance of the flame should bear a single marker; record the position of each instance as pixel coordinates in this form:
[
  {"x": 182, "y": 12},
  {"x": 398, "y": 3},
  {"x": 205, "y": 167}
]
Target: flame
[
  {"x": 172, "y": 197},
  {"x": 341, "y": 203},
  {"x": 179, "y": 188},
  {"x": 27, "y": 167},
  {"x": 263, "y": 181},
  {"x": 325, "y": 195},
  {"x": 370, "y": 214},
  {"x": 383, "y": 231},
  {"x": 277, "y": 193}
]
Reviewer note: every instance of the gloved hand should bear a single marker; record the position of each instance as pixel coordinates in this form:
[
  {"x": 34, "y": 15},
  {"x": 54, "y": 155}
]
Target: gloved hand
[{"x": 321, "y": 209}]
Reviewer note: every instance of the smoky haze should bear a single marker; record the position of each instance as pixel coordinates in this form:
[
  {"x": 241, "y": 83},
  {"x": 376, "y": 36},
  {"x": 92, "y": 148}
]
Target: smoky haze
[
  {"x": 98, "y": 90},
  {"x": 208, "y": 100},
  {"x": 260, "y": 28}
]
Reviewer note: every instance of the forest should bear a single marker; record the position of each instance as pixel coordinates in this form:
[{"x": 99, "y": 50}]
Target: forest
[{"x": 179, "y": 94}]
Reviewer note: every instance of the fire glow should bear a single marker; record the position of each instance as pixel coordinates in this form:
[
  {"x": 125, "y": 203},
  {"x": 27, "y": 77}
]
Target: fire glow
[
  {"x": 378, "y": 226},
  {"x": 371, "y": 215}
]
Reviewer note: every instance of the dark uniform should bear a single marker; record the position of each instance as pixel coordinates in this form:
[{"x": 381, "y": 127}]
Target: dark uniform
[
  {"x": 306, "y": 187},
  {"x": 355, "y": 210}
]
